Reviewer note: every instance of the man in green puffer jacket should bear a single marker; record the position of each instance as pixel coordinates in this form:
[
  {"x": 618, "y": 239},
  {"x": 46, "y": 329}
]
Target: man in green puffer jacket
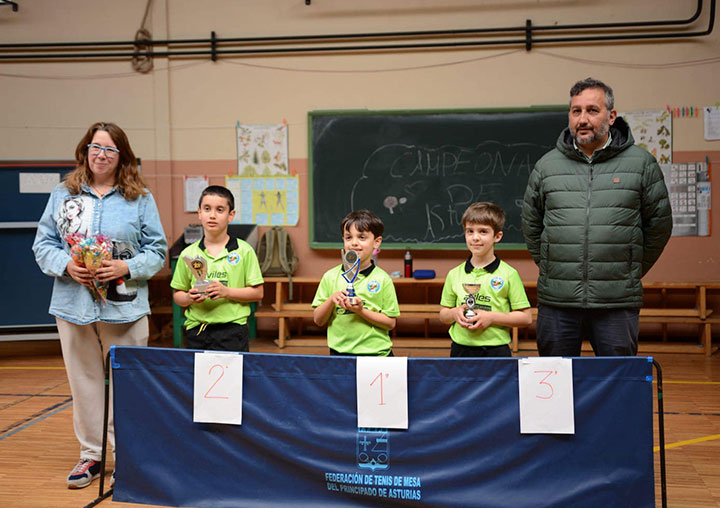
[{"x": 596, "y": 217}]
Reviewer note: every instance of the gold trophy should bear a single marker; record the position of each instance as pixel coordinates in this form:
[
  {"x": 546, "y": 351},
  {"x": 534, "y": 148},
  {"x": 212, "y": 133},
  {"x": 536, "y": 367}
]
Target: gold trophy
[
  {"x": 471, "y": 289},
  {"x": 198, "y": 266}
]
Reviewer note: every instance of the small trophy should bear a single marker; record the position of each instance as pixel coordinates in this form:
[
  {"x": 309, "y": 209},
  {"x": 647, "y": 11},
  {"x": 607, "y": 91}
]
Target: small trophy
[
  {"x": 198, "y": 266},
  {"x": 471, "y": 289},
  {"x": 351, "y": 265}
]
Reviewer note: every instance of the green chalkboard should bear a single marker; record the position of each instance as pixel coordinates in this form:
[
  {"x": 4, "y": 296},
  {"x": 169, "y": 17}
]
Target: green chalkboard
[{"x": 419, "y": 170}]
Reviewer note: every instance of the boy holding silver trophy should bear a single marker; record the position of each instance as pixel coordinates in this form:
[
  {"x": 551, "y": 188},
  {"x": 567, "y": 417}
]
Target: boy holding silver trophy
[
  {"x": 216, "y": 278},
  {"x": 357, "y": 299},
  {"x": 484, "y": 296}
]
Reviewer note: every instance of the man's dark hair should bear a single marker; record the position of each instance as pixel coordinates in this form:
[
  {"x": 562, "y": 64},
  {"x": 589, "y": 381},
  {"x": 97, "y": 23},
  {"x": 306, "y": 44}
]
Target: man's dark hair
[
  {"x": 218, "y": 190},
  {"x": 586, "y": 83},
  {"x": 363, "y": 220}
]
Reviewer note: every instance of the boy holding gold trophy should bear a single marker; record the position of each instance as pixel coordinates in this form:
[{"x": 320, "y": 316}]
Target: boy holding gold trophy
[
  {"x": 484, "y": 296},
  {"x": 216, "y": 278}
]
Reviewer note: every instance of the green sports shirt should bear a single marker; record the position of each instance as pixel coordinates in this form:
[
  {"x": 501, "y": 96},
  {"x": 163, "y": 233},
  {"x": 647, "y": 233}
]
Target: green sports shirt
[
  {"x": 236, "y": 266},
  {"x": 501, "y": 290},
  {"x": 349, "y": 333}
]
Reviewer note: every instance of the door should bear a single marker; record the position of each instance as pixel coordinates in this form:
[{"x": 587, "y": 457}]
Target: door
[{"x": 25, "y": 187}]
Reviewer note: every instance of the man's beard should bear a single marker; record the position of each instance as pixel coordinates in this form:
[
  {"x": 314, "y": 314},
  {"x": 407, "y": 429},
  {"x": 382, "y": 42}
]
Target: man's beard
[{"x": 593, "y": 137}]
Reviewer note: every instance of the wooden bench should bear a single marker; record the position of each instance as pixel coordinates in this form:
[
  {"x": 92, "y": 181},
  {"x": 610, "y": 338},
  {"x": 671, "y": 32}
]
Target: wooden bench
[
  {"x": 698, "y": 315},
  {"x": 663, "y": 316},
  {"x": 304, "y": 310}
]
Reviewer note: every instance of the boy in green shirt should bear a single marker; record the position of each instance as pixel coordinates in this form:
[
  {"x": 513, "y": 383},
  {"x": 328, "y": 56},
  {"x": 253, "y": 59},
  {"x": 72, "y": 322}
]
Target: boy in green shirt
[
  {"x": 217, "y": 318},
  {"x": 359, "y": 325},
  {"x": 499, "y": 300}
]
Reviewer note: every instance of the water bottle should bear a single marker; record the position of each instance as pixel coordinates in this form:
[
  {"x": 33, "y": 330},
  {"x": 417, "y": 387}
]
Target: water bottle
[{"x": 408, "y": 264}]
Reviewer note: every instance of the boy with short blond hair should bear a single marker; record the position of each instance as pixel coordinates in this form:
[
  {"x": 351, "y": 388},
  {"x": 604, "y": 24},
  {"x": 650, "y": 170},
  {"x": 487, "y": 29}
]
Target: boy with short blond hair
[
  {"x": 216, "y": 319},
  {"x": 498, "y": 298},
  {"x": 359, "y": 325}
]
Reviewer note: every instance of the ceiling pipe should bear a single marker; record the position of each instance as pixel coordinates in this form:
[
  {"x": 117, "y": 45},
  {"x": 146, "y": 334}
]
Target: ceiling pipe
[
  {"x": 379, "y": 35},
  {"x": 526, "y": 37},
  {"x": 10, "y": 2}
]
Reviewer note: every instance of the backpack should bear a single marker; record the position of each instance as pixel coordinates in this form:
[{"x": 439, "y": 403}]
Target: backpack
[{"x": 277, "y": 256}]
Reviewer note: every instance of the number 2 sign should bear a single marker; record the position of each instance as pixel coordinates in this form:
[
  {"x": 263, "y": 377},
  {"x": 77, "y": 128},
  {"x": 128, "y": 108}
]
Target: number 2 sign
[
  {"x": 217, "y": 396},
  {"x": 546, "y": 396},
  {"x": 382, "y": 392}
]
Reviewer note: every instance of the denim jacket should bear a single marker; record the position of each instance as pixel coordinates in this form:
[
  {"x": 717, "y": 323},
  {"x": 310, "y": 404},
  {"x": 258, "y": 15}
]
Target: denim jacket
[{"x": 137, "y": 237}]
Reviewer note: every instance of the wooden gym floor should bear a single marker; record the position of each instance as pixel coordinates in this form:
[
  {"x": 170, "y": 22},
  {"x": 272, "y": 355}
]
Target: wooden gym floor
[{"x": 38, "y": 447}]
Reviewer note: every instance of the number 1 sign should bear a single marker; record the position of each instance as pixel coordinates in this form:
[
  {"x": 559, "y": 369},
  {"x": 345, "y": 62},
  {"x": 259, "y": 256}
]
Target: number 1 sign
[
  {"x": 546, "y": 396},
  {"x": 382, "y": 392},
  {"x": 217, "y": 394}
]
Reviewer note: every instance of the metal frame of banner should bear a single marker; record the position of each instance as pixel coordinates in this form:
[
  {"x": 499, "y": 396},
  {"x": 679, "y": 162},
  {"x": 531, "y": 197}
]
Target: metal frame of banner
[
  {"x": 661, "y": 434},
  {"x": 103, "y": 495}
]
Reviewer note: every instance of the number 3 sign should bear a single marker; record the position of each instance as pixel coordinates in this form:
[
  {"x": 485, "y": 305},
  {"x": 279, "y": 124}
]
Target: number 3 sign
[
  {"x": 546, "y": 396},
  {"x": 217, "y": 390}
]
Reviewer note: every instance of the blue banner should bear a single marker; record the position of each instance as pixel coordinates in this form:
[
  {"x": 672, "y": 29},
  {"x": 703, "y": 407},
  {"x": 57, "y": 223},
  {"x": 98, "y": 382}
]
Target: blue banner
[{"x": 299, "y": 444}]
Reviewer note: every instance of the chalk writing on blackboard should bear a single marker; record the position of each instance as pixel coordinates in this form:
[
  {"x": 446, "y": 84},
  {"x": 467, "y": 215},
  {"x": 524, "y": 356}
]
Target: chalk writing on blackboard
[
  {"x": 418, "y": 171},
  {"x": 435, "y": 185}
]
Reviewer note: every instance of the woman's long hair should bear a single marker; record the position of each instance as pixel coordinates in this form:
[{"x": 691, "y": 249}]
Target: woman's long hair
[{"x": 127, "y": 177}]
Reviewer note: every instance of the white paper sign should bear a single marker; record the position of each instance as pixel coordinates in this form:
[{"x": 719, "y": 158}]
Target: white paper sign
[
  {"x": 546, "y": 396},
  {"x": 38, "y": 183},
  {"x": 382, "y": 392},
  {"x": 193, "y": 187},
  {"x": 711, "y": 122},
  {"x": 218, "y": 388}
]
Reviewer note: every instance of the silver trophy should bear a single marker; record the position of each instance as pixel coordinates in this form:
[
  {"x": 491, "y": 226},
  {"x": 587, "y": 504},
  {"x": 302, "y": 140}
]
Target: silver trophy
[
  {"x": 351, "y": 265},
  {"x": 198, "y": 267},
  {"x": 471, "y": 289}
]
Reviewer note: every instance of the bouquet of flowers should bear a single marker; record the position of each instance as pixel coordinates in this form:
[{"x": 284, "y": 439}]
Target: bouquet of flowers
[{"x": 90, "y": 252}]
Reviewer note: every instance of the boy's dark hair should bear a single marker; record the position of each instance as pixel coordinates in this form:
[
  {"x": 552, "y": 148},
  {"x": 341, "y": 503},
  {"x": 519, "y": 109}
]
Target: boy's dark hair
[
  {"x": 218, "y": 190},
  {"x": 363, "y": 220},
  {"x": 485, "y": 213},
  {"x": 586, "y": 83}
]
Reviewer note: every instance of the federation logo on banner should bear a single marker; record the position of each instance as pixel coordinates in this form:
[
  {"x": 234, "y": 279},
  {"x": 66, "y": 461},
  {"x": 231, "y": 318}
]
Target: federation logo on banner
[{"x": 373, "y": 449}]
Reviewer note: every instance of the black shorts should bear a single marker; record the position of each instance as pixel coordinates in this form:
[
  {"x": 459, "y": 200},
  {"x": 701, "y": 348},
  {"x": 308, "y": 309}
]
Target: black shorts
[
  {"x": 218, "y": 337},
  {"x": 462, "y": 351},
  {"x": 338, "y": 353}
]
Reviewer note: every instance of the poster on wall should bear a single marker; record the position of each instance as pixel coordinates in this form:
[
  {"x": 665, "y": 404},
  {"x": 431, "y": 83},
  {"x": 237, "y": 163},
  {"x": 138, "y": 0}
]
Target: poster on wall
[
  {"x": 690, "y": 196},
  {"x": 265, "y": 201},
  {"x": 711, "y": 122},
  {"x": 262, "y": 150},
  {"x": 652, "y": 131},
  {"x": 192, "y": 189}
]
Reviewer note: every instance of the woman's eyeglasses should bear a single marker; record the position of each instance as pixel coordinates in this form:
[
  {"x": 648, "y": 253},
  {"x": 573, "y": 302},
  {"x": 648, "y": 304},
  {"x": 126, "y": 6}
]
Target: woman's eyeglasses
[{"x": 110, "y": 151}]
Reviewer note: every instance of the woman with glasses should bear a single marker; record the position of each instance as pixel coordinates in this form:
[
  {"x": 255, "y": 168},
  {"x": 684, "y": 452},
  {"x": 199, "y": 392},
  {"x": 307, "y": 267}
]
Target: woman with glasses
[{"x": 108, "y": 189}]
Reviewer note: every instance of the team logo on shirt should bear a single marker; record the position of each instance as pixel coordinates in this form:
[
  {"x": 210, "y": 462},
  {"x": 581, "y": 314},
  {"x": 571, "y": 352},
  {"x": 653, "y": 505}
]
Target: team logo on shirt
[
  {"x": 497, "y": 283},
  {"x": 373, "y": 286},
  {"x": 233, "y": 258}
]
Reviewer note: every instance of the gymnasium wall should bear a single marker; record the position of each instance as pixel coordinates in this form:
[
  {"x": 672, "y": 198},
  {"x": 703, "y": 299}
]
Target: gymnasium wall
[{"x": 181, "y": 116}]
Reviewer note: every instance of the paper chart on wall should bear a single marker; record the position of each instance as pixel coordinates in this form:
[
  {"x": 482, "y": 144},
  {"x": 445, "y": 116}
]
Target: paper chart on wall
[
  {"x": 262, "y": 150},
  {"x": 652, "y": 130},
  {"x": 265, "y": 201},
  {"x": 193, "y": 187},
  {"x": 689, "y": 188},
  {"x": 711, "y": 122}
]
